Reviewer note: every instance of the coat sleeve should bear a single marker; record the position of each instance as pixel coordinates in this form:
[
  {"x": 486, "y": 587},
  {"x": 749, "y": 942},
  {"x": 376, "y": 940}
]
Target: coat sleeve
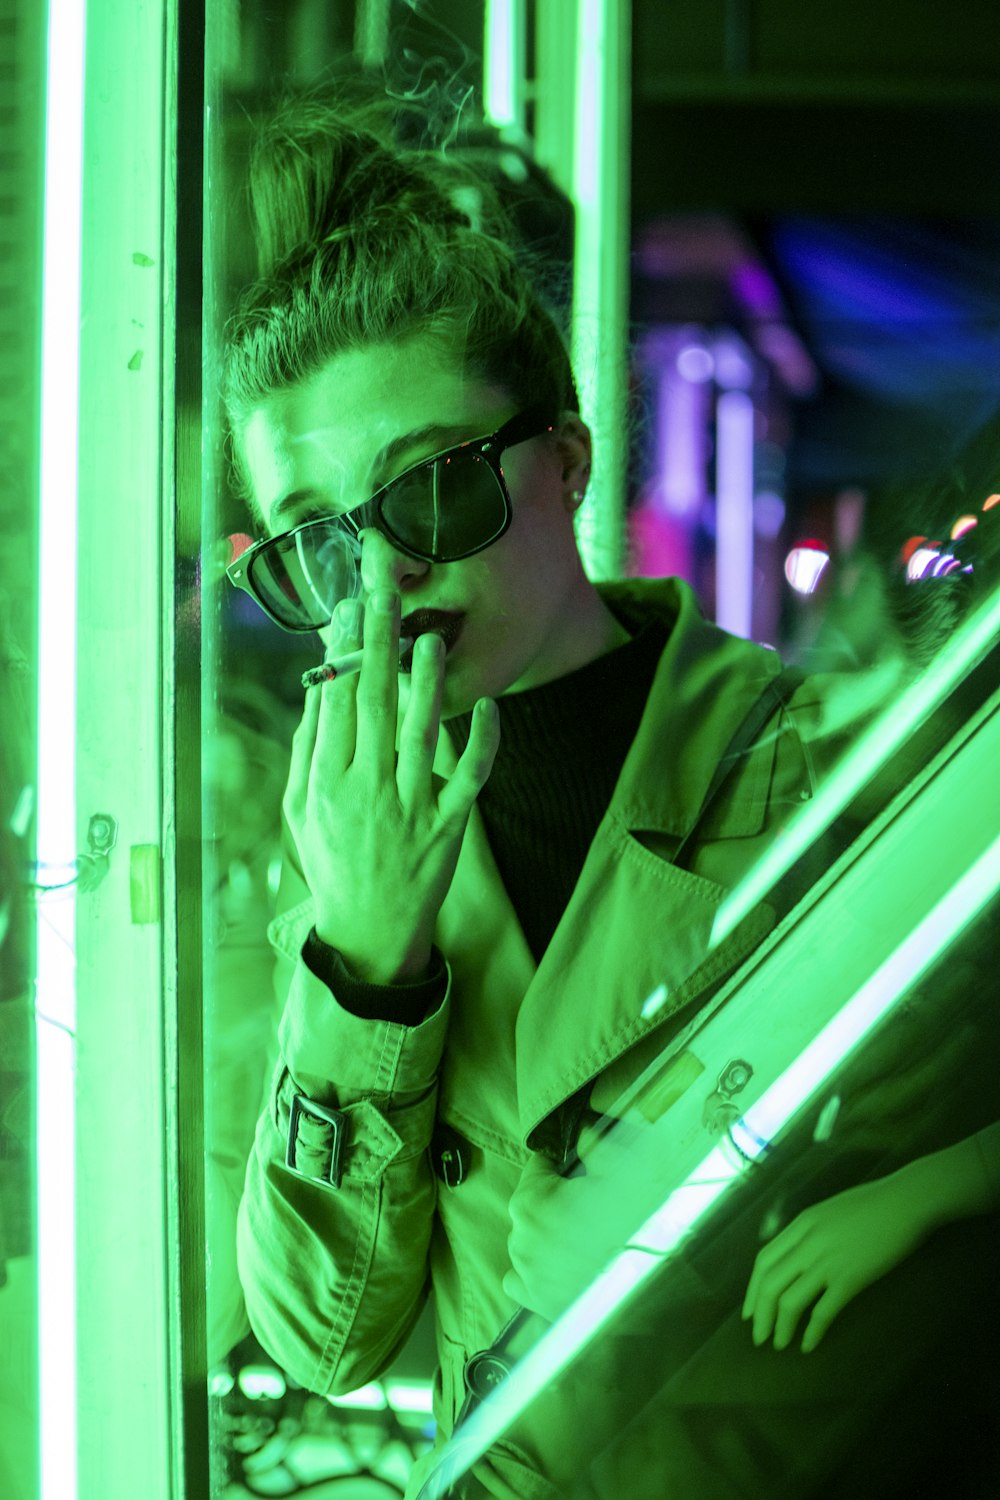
[{"x": 334, "y": 1264}]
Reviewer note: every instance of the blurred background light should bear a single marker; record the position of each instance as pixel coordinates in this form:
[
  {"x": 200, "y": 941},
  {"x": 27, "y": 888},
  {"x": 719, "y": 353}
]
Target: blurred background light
[
  {"x": 734, "y": 437},
  {"x": 695, "y": 363},
  {"x": 262, "y": 1383},
  {"x": 921, "y": 563},
  {"x": 804, "y": 566},
  {"x": 733, "y": 367},
  {"x": 768, "y": 514}
]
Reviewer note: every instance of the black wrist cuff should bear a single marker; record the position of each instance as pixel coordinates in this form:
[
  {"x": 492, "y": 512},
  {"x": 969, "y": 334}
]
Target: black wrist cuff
[{"x": 407, "y": 1003}]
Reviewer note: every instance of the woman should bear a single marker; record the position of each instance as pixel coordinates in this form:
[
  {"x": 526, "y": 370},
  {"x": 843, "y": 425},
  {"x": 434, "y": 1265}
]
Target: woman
[{"x": 505, "y": 831}]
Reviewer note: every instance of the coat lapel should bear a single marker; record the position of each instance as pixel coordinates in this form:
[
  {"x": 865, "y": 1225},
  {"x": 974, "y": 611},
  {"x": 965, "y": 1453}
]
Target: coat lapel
[{"x": 634, "y": 921}]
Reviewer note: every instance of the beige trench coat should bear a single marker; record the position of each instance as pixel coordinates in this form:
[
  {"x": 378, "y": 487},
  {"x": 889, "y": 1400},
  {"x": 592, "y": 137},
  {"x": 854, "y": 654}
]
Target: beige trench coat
[{"x": 335, "y": 1278}]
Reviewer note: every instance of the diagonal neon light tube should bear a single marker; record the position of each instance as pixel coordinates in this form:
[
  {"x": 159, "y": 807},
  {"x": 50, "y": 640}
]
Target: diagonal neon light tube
[
  {"x": 870, "y": 752},
  {"x": 849, "y": 1027},
  {"x": 683, "y": 1209}
]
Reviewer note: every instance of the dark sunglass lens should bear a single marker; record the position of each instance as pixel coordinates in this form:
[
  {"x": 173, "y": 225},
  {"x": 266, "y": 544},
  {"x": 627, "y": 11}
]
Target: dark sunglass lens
[
  {"x": 446, "y": 509},
  {"x": 302, "y": 576}
]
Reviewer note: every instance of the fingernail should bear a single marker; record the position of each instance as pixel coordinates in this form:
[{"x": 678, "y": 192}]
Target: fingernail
[
  {"x": 430, "y": 644},
  {"x": 384, "y": 600},
  {"x": 349, "y": 616}
]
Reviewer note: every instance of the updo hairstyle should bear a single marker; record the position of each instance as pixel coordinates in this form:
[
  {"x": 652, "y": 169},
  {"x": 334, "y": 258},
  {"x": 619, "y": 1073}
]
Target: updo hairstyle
[{"x": 363, "y": 242}]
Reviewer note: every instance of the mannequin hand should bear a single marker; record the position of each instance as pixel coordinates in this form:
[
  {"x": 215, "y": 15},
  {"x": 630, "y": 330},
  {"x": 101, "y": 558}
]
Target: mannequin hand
[
  {"x": 829, "y": 1254},
  {"x": 377, "y": 834}
]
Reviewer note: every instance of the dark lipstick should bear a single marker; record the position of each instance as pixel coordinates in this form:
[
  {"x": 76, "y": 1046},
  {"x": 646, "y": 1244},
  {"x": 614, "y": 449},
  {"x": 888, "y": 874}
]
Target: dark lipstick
[{"x": 443, "y": 622}]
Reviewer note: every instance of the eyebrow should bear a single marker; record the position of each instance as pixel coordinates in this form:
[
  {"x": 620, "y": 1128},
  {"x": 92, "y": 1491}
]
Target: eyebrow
[{"x": 441, "y": 435}]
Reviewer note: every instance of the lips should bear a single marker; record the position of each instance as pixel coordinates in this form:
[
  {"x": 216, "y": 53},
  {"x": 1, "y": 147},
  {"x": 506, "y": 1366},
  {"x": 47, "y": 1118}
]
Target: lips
[{"x": 443, "y": 622}]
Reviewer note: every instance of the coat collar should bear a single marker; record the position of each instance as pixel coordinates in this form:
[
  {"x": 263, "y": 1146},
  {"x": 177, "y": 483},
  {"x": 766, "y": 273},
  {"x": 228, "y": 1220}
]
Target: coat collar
[
  {"x": 705, "y": 685},
  {"x": 635, "y": 922}
]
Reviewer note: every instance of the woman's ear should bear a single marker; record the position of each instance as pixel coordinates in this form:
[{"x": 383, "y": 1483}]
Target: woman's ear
[{"x": 574, "y": 448}]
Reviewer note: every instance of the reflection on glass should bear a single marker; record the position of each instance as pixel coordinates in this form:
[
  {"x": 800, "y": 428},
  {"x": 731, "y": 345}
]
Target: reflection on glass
[
  {"x": 21, "y": 189},
  {"x": 434, "y": 1041},
  {"x": 18, "y": 1266}
]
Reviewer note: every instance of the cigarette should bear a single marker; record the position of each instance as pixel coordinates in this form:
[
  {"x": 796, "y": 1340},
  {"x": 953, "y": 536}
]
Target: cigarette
[{"x": 343, "y": 666}]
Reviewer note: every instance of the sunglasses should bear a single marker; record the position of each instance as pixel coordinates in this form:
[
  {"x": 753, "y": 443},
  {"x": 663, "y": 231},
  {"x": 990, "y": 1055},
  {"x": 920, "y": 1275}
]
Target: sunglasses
[{"x": 443, "y": 509}]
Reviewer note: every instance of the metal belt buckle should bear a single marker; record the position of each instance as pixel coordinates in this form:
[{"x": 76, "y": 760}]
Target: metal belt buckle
[{"x": 338, "y": 1125}]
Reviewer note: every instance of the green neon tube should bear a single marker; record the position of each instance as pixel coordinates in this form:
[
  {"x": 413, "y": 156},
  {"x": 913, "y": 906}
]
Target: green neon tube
[
  {"x": 687, "y": 1204},
  {"x": 600, "y": 270},
  {"x": 867, "y": 756},
  {"x": 848, "y": 1029},
  {"x": 55, "y": 994},
  {"x": 503, "y": 62}
]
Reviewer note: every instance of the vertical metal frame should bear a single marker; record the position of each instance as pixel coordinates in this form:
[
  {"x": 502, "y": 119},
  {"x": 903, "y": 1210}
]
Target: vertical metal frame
[
  {"x": 188, "y": 682},
  {"x": 135, "y": 636}
]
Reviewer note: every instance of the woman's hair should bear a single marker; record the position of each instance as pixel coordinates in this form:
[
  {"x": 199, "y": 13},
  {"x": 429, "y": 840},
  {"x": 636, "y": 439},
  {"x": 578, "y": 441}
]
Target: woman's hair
[{"x": 362, "y": 242}]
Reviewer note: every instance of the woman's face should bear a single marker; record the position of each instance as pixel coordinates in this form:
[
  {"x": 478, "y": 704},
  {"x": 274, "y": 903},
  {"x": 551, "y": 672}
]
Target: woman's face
[{"x": 528, "y": 612}]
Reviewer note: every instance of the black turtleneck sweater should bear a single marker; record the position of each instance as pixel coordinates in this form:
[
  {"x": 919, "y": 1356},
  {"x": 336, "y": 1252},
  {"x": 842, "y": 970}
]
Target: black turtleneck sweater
[{"x": 562, "y": 747}]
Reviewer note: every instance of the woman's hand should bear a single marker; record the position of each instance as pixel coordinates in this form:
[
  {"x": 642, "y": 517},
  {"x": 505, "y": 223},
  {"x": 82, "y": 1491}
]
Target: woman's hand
[
  {"x": 378, "y": 835},
  {"x": 830, "y": 1253}
]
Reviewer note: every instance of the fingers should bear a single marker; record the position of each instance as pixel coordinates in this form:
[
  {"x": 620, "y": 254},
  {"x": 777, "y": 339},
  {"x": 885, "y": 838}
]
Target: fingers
[
  {"x": 790, "y": 1306},
  {"x": 473, "y": 769},
  {"x": 779, "y": 1303},
  {"x": 378, "y": 688},
  {"x": 303, "y": 744},
  {"x": 829, "y": 1305},
  {"x": 336, "y": 702},
  {"x": 419, "y": 737},
  {"x": 767, "y": 1265},
  {"x": 783, "y": 1283}
]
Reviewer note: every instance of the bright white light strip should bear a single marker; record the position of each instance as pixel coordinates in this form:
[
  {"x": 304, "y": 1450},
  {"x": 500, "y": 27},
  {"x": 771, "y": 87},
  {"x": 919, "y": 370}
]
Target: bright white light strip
[
  {"x": 688, "y": 1203},
  {"x": 734, "y": 424},
  {"x": 876, "y": 997},
  {"x": 871, "y": 751},
  {"x": 500, "y": 62},
  {"x": 591, "y": 106},
  {"x": 56, "y": 928},
  {"x": 599, "y": 193}
]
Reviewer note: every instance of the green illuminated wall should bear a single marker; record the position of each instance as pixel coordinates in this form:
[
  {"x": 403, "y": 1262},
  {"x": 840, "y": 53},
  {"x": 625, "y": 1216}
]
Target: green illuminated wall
[{"x": 156, "y": 986}]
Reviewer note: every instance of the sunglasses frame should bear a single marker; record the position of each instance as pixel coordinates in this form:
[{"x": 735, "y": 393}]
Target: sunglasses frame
[{"x": 533, "y": 422}]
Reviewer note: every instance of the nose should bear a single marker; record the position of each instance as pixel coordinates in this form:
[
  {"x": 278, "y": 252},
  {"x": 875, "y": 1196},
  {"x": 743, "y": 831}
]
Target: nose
[{"x": 384, "y": 566}]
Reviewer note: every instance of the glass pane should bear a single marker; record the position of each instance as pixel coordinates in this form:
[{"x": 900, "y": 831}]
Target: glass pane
[
  {"x": 103, "y": 665},
  {"x": 715, "y": 927},
  {"x": 21, "y": 134}
]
